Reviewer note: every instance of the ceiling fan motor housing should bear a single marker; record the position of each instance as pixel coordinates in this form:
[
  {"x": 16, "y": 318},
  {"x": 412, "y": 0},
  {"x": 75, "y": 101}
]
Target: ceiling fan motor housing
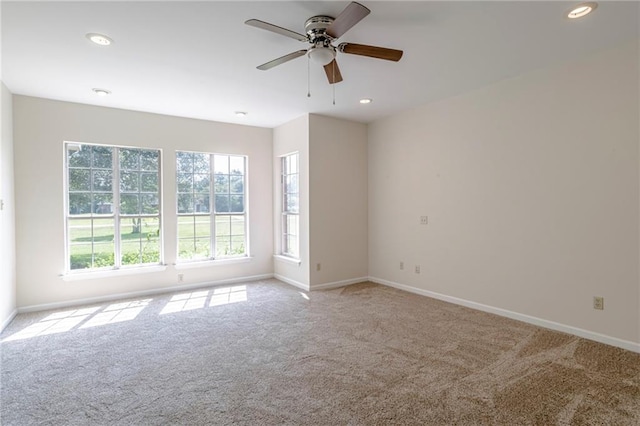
[{"x": 316, "y": 28}]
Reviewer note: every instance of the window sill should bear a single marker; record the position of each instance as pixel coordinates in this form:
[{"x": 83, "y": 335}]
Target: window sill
[
  {"x": 286, "y": 259},
  {"x": 78, "y": 276},
  {"x": 216, "y": 262}
]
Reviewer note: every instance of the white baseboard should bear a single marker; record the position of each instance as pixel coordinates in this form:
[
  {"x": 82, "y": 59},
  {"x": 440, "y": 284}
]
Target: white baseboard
[
  {"x": 294, "y": 283},
  {"x": 151, "y": 292},
  {"x": 337, "y": 284},
  {"x": 8, "y": 320},
  {"x": 602, "y": 338}
]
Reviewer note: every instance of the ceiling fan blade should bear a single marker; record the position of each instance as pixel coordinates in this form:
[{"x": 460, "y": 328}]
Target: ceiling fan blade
[
  {"x": 371, "y": 51},
  {"x": 275, "y": 29},
  {"x": 350, "y": 16},
  {"x": 281, "y": 60},
  {"x": 333, "y": 72}
]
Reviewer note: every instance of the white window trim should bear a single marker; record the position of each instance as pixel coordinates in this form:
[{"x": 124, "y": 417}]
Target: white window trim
[
  {"x": 287, "y": 259},
  {"x": 110, "y": 273},
  {"x": 212, "y": 260},
  {"x": 284, "y": 213},
  {"x": 71, "y": 274},
  {"x": 193, "y": 264}
]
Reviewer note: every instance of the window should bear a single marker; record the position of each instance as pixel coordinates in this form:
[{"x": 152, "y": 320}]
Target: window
[
  {"x": 290, "y": 205},
  {"x": 212, "y": 218},
  {"x": 113, "y": 206}
]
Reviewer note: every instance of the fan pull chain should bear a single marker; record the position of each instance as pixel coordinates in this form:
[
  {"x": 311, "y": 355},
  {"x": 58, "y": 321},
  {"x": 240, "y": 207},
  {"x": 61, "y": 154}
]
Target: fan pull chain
[
  {"x": 333, "y": 66},
  {"x": 308, "y": 76}
]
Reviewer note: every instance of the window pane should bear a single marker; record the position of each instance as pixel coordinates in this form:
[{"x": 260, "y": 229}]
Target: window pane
[
  {"x": 102, "y": 180},
  {"x": 150, "y": 240},
  {"x": 103, "y": 203},
  {"x": 149, "y": 160},
  {"x": 102, "y": 157},
  {"x": 185, "y": 203},
  {"x": 222, "y": 203},
  {"x": 293, "y": 163},
  {"x": 79, "y": 180},
  {"x": 186, "y": 227},
  {"x": 79, "y": 231},
  {"x": 129, "y": 181},
  {"x": 236, "y": 184},
  {"x": 221, "y": 184},
  {"x": 186, "y": 249},
  {"x": 292, "y": 245},
  {"x": 80, "y": 158},
  {"x": 223, "y": 226},
  {"x": 237, "y": 203},
  {"x": 291, "y": 183},
  {"x": 291, "y": 203},
  {"x": 103, "y": 230},
  {"x": 202, "y": 248},
  {"x": 79, "y": 203},
  {"x": 150, "y": 204},
  {"x": 149, "y": 182},
  {"x": 201, "y": 203},
  {"x": 203, "y": 226},
  {"x": 103, "y": 255},
  {"x": 291, "y": 224},
  {"x": 184, "y": 162},
  {"x": 80, "y": 256},
  {"x": 223, "y": 246},
  {"x": 185, "y": 182},
  {"x": 140, "y": 239},
  {"x": 236, "y": 165},
  {"x": 201, "y": 163},
  {"x": 237, "y": 246},
  {"x": 129, "y": 159},
  {"x": 221, "y": 164},
  {"x": 201, "y": 183},
  {"x": 237, "y": 225},
  {"x": 129, "y": 204}
]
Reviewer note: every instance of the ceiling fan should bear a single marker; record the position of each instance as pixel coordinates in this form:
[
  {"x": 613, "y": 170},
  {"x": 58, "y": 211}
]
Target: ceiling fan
[{"x": 322, "y": 31}]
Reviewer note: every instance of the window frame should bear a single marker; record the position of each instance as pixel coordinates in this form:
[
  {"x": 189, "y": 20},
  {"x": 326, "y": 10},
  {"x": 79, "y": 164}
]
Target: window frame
[
  {"x": 285, "y": 212},
  {"x": 116, "y": 215},
  {"x": 212, "y": 214}
]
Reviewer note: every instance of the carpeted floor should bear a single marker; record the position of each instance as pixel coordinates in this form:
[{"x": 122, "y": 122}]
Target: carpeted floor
[{"x": 265, "y": 353}]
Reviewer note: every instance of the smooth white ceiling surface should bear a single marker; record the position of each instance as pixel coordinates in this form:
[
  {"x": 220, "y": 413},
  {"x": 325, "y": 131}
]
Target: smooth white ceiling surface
[{"x": 198, "y": 59}]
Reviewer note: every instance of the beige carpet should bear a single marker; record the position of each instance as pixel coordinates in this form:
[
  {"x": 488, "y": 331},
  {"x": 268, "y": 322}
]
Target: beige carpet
[{"x": 265, "y": 353}]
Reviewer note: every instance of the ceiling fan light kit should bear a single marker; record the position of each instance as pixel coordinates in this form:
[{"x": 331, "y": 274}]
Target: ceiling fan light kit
[{"x": 321, "y": 32}]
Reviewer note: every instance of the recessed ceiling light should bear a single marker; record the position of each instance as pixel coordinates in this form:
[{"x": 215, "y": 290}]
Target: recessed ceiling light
[
  {"x": 101, "y": 92},
  {"x": 365, "y": 101},
  {"x": 100, "y": 39},
  {"x": 581, "y": 10},
  {"x": 241, "y": 113}
]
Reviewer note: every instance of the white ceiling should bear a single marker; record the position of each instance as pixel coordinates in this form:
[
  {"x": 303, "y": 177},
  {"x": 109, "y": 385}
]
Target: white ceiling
[{"x": 198, "y": 59}]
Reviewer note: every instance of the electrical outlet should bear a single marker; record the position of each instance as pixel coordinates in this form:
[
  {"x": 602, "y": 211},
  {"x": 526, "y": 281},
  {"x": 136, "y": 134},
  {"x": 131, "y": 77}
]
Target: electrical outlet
[
  {"x": 598, "y": 302},
  {"x": 180, "y": 278},
  {"x": 424, "y": 220},
  {"x": 318, "y": 267},
  {"x": 402, "y": 266},
  {"x": 417, "y": 269}
]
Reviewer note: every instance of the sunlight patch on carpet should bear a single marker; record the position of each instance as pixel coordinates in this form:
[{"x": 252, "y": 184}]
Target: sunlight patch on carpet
[
  {"x": 118, "y": 312},
  {"x": 58, "y": 322},
  {"x": 186, "y": 302},
  {"x": 226, "y": 295}
]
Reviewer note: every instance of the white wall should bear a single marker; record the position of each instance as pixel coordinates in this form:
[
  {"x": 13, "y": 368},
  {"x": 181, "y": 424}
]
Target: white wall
[
  {"x": 7, "y": 214},
  {"x": 531, "y": 187},
  {"x": 288, "y": 138},
  {"x": 41, "y": 126},
  {"x": 338, "y": 200}
]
